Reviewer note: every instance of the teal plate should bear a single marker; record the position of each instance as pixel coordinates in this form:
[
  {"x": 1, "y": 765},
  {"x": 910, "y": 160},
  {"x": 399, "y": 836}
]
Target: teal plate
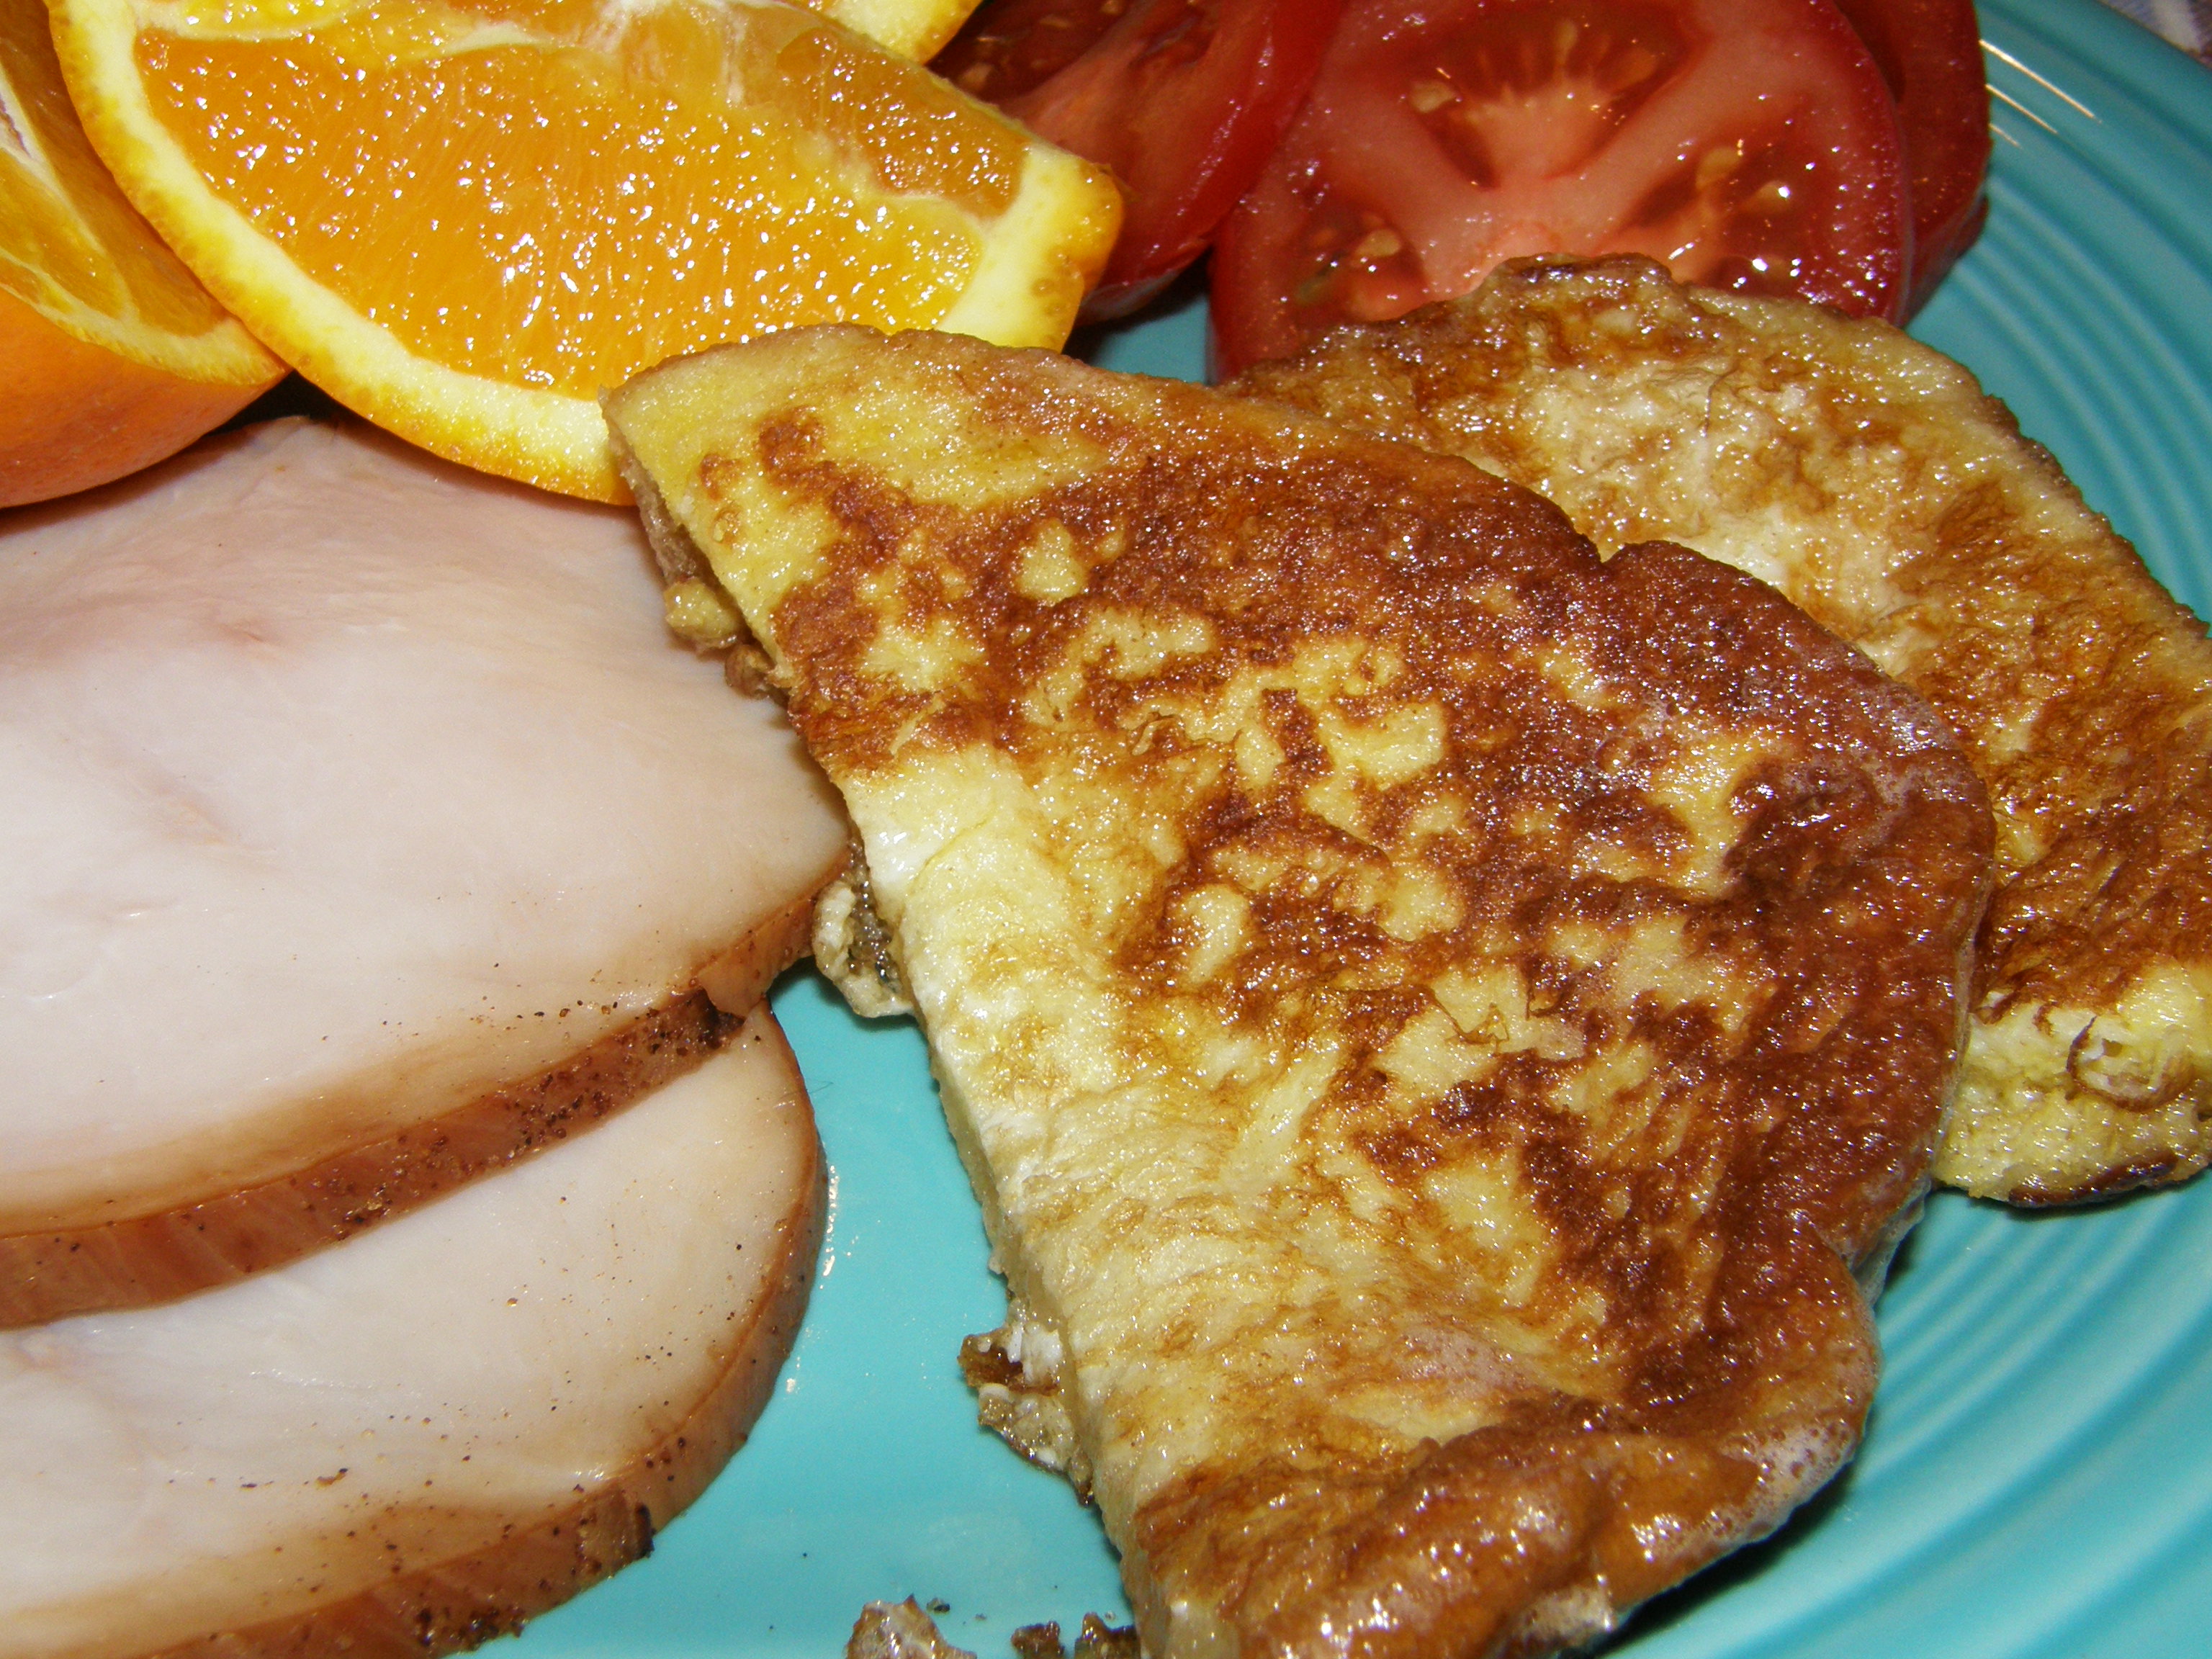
[{"x": 2037, "y": 1479}]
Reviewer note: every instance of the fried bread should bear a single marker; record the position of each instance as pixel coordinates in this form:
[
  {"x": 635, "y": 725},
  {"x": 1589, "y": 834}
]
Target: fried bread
[
  {"x": 1434, "y": 1021},
  {"x": 1869, "y": 478}
]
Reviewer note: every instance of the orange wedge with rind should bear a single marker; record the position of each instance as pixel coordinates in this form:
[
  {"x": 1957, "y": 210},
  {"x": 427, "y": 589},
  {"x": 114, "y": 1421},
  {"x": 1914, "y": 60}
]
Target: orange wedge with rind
[
  {"x": 466, "y": 220},
  {"x": 912, "y": 28},
  {"x": 114, "y": 355}
]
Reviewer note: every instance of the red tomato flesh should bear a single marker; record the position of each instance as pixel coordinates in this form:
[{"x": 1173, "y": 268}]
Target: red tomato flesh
[
  {"x": 1930, "y": 53},
  {"x": 1744, "y": 143},
  {"x": 1183, "y": 100},
  {"x": 1009, "y": 46}
]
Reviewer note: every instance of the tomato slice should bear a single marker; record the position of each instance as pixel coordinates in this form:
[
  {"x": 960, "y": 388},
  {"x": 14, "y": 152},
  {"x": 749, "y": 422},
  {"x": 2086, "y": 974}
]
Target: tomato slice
[
  {"x": 1930, "y": 53},
  {"x": 1745, "y": 143},
  {"x": 1009, "y": 46},
  {"x": 1184, "y": 100}
]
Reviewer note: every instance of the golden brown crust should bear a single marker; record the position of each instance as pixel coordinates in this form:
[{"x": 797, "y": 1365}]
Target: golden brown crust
[
  {"x": 1433, "y": 1018},
  {"x": 437, "y": 1600},
  {"x": 144, "y": 1260},
  {"x": 1872, "y": 481}
]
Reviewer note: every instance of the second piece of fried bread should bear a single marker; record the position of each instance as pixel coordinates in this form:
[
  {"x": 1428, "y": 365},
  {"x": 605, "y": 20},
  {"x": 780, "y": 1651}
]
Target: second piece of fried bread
[
  {"x": 1868, "y": 478},
  {"x": 1434, "y": 1020}
]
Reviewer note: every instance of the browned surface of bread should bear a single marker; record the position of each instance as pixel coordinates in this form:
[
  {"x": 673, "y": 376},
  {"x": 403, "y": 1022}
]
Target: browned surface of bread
[
  {"x": 1434, "y": 1020},
  {"x": 1870, "y": 479}
]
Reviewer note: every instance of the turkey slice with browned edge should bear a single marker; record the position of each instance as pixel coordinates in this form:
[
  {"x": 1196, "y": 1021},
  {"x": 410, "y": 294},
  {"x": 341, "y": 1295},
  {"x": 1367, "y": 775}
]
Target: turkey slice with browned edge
[
  {"x": 364, "y": 829},
  {"x": 412, "y": 1442}
]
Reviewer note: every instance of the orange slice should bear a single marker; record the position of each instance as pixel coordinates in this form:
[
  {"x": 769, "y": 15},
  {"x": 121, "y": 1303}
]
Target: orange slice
[
  {"x": 465, "y": 219},
  {"x": 912, "y": 28},
  {"x": 115, "y": 357}
]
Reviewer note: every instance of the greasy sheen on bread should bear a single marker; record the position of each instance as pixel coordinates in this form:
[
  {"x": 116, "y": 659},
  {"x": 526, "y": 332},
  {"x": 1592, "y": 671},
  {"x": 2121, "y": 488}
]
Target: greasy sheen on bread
[
  {"x": 1434, "y": 1021},
  {"x": 1870, "y": 479}
]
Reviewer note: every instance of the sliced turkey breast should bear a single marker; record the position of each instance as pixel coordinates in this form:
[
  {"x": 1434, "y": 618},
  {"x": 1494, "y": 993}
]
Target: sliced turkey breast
[
  {"x": 412, "y": 1442},
  {"x": 364, "y": 827}
]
